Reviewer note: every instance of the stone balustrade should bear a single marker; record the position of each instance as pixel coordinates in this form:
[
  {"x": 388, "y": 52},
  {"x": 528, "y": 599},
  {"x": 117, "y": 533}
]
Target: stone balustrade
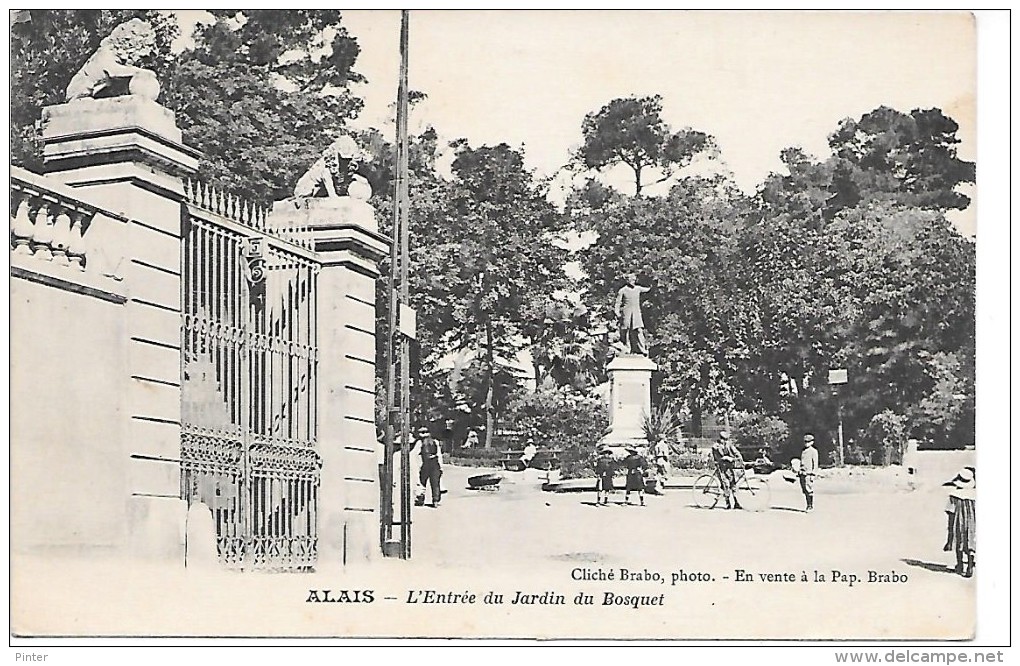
[{"x": 50, "y": 221}]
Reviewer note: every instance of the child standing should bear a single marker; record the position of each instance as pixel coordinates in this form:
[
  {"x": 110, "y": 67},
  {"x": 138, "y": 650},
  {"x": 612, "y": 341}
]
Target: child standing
[
  {"x": 604, "y": 467},
  {"x": 636, "y": 466}
]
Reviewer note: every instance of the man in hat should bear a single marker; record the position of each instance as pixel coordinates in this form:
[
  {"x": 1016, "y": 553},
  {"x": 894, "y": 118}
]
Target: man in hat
[
  {"x": 727, "y": 456},
  {"x": 808, "y": 470},
  {"x": 431, "y": 464},
  {"x": 636, "y": 465},
  {"x": 604, "y": 467},
  {"x": 961, "y": 528}
]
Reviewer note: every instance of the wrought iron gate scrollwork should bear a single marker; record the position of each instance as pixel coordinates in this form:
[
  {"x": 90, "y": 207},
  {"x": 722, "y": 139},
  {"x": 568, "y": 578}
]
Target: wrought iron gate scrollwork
[{"x": 250, "y": 357}]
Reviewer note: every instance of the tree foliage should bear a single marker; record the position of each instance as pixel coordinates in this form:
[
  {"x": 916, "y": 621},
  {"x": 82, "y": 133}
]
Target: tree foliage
[
  {"x": 631, "y": 131},
  {"x": 259, "y": 92},
  {"x": 847, "y": 262},
  {"x": 563, "y": 419}
]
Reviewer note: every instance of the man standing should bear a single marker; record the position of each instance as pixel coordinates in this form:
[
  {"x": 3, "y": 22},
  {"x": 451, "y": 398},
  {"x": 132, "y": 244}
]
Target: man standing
[
  {"x": 727, "y": 457},
  {"x": 431, "y": 464},
  {"x": 628, "y": 312},
  {"x": 808, "y": 470}
]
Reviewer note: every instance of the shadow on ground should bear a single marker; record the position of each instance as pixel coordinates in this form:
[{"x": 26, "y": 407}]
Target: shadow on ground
[{"x": 930, "y": 566}]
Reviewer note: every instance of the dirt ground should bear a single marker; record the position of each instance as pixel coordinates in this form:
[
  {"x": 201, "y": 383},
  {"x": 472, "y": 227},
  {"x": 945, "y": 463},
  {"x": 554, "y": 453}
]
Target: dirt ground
[{"x": 552, "y": 549}]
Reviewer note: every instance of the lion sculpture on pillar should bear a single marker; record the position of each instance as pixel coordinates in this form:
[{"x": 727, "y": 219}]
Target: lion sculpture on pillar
[
  {"x": 114, "y": 68},
  {"x": 340, "y": 171}
]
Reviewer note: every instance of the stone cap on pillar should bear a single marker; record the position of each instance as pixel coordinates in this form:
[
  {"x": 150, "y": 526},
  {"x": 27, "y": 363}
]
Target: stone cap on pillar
[
  {"x": 88, "y": 141},
  {"x": 343, "y": 230},
  {"x": 631, "y": 362}
]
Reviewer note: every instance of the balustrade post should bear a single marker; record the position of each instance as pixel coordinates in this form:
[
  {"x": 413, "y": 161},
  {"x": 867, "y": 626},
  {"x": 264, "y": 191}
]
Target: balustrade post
[
  {"x": 61, "y": 239},
  {"x": 22, "y": 228},
  {"x": 43, "y": 234},
  {"x": 76, "y": 243}
]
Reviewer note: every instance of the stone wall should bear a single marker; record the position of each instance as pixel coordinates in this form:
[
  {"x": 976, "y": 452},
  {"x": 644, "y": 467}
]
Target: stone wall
[
  {"x": 68, "y": 374},
  {"x": 96, "y": 338}
]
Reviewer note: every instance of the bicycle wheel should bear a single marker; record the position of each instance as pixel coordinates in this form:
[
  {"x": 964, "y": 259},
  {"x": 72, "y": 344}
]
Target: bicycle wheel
[
  {"x": 754, "y": 493},
  {"x": 707, "y": 491}
]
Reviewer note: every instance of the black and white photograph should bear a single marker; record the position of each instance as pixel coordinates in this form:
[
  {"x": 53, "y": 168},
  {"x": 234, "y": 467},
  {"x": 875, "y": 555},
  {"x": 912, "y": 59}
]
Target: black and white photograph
[{"x": 504, "y": 325}]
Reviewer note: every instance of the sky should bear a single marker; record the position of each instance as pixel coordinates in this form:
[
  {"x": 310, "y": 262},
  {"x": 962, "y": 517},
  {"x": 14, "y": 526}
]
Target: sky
[{"x": 758, "y": 82}]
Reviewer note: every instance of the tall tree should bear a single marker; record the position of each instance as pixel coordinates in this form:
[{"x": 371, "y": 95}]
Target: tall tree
[
  {"x": 851, "y": 263},
  {"x": 505, "y": 230},
  {"x": 631, "y": 131},
  {"x": 910, "y": 158},
  {"x": 482, "y": 253}
]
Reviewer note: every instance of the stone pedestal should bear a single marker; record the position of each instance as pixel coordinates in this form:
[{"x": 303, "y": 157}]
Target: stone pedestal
[
  {"x": 630, "y": 378},
  {"x": 126, "y": 153},
  {"x": 343, "y": 231}
]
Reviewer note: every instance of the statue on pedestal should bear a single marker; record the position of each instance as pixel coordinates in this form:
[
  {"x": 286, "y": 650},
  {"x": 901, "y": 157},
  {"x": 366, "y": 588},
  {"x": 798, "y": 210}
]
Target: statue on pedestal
[
  {"x": 628, "y": 313},
  {"x": 114, "y": 69}
]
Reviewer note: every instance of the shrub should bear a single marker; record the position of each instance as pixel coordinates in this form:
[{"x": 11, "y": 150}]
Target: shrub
[
  {"x": 563, "y": 419},
  {"x": 476, "y": 457},
  {"x": 663, "y": 425},
  {"x": 883, "y": 439},
  {"x": 690, "y": 460},
  {"x": 754, "y": 431}
]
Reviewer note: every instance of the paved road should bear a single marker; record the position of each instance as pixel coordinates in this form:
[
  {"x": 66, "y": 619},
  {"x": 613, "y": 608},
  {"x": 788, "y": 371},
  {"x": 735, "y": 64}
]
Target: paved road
[{"x": 523, "y": 541}]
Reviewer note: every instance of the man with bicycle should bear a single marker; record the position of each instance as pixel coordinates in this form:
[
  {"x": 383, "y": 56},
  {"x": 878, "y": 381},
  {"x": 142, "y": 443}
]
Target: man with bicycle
[{"x": 727, "y": 458}]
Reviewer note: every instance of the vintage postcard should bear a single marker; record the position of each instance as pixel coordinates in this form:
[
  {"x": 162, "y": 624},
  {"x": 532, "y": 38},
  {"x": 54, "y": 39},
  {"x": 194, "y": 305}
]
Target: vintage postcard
[{"x": 597, "y": 325}]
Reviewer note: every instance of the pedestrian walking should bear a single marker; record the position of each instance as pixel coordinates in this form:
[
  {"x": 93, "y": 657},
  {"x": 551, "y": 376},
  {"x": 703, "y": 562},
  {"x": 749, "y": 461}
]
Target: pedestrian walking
[
  {"x": 660, "y": 454},
  {"x": 431, "y": 464},
  {"x": 636, "y": 466},
  {"x": 808, "y": 470},
  {"x": 961, "y": 525}
]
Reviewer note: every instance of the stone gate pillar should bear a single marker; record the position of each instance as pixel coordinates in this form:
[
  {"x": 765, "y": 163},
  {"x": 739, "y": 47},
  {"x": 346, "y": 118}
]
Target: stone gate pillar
[
  {"x": 126, "y": 152},
  {"x": 349, "y": 246}
]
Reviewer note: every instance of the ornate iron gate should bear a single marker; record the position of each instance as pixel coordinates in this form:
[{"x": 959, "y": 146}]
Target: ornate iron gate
[{"x": 248, "y": 391}]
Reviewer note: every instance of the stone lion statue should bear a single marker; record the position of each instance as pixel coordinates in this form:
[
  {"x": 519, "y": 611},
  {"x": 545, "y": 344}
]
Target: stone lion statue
[
  {"x": 339, "y": 172},
  {"x": 114, "y": 68}
]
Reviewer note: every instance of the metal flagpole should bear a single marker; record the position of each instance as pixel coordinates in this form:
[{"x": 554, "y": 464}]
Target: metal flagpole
[
  {"x": 397, "y": 402},
  {"x": 405, "y": 379}
]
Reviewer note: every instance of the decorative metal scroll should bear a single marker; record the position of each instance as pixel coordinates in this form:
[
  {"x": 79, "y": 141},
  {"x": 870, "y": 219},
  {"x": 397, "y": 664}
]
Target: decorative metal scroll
[{"x": 248, "y": 446}]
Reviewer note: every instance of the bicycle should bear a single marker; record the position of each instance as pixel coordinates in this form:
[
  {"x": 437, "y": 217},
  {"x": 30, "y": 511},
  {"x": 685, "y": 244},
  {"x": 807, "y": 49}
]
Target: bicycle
[{"x": 753, "y": 493}]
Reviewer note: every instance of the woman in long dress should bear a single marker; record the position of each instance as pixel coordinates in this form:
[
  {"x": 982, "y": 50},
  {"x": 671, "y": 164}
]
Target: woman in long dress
[{"x": 961, "y": 524}]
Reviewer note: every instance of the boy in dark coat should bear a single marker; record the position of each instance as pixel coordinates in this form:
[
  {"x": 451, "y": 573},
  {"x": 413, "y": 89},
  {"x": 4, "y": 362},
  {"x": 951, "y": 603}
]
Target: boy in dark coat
[
  {"x": 604, "y": 468},
  {"x": 636, "y": 466}
]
